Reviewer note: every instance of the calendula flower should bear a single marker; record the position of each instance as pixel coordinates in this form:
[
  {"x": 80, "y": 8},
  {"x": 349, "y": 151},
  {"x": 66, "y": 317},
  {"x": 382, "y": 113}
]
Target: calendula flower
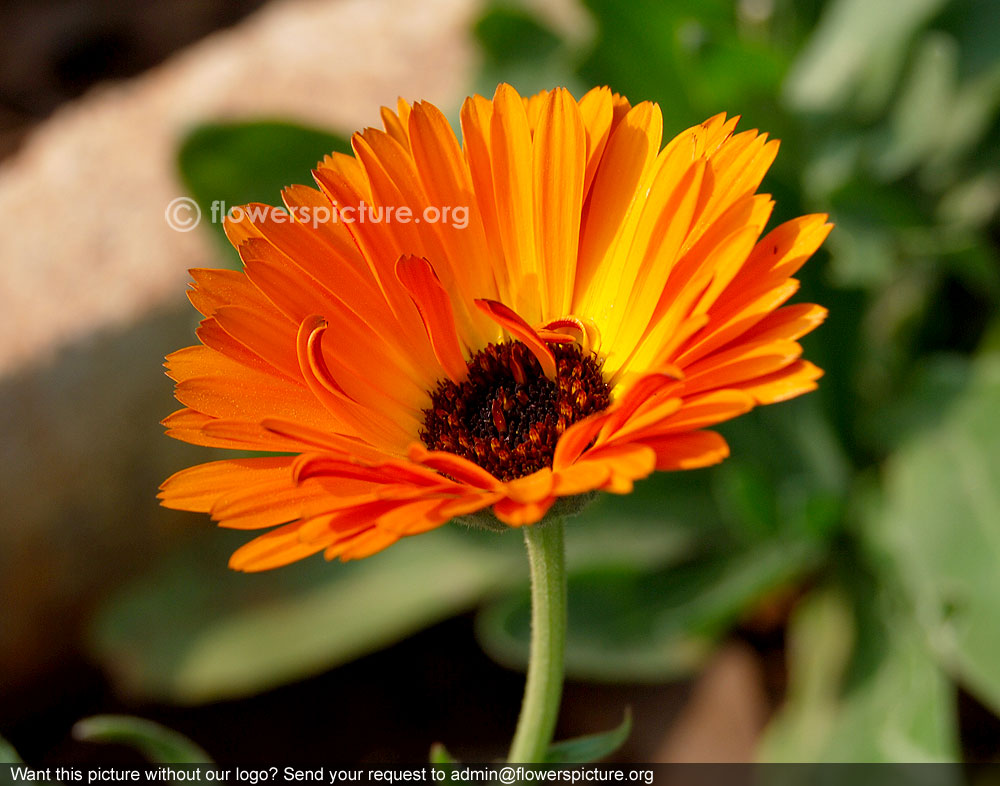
[{"x": 552, "y": 307}]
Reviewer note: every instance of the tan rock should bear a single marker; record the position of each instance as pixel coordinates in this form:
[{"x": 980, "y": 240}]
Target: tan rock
[{"x": 93, "y": 280}]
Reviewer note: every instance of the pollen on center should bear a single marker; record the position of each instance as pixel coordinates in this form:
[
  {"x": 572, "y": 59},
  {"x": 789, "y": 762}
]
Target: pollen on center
[{"x": 507, "y": 416}]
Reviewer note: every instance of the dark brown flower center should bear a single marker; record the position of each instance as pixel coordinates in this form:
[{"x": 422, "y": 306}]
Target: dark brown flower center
[{"x": 507, "y": 416}]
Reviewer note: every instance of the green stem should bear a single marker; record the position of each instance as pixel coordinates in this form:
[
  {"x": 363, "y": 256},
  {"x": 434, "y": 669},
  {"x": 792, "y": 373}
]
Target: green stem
[{"x": 543, "y": 690}]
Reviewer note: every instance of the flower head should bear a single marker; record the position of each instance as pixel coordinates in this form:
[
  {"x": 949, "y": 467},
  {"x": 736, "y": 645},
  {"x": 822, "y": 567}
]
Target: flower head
[{"x": 554, "y": 306}]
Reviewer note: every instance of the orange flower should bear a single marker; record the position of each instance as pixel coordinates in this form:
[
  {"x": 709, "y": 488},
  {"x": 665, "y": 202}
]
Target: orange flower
[{"x": 567, "y": 309}]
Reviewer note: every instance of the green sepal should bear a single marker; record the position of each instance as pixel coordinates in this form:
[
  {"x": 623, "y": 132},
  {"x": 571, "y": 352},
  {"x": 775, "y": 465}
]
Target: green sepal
[{"x": 562, "y": 508}]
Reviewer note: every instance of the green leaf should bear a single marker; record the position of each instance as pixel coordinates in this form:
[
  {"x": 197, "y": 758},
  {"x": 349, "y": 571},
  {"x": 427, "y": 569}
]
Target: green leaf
[
  {"x": 820, "y": 638},
  {"x": 193, "y": 631},
  {"x": 971, "y": 203},
  {"x": 523, "y": 51},
  {"x": 856, "y": 51},
  {"x": 926, "y": 395},
  {"x": 632, "y": 624},
  {"x": 7, "y": 753},
  {"x": 970, "y": 118},
  {"x": 508, "y": 35},
  {"x": 915, "y": 128},
  {"x": 634, "y": 53},
  {"x": 846, "y": 667},
  {"x": 787, "y": 475},
  {"x": 693, "y": 57},
  {"x": 226, "y": 165},
  {"x": 591, "y": 747},
  {"x": 439, "y": 755},
  {"x": 940, "y": 531},
  {"x": 157, "y": 743}
]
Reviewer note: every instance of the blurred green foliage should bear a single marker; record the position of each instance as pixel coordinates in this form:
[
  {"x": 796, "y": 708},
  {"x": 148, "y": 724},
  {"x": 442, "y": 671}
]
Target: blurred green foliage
[
  {"x": 7, "y": 753},
  {"x": 231, "y": 164},
  {"x": 592, "y": 747},
  {"x": 874, "y": 501},
  {"x": 156, "y": 743}
]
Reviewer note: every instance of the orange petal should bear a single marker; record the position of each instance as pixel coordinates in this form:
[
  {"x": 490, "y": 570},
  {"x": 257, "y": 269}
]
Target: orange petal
[
  {"x": 319, "y": 465},
  {"x": 627, "y": 462},
  {"x": 698, "y": 412},
  {"x": 739, "y": 326},
  {"x": 212, "y": 289},
  {"x": 434, "y": 305},
  {"x": 648, "y": 387},
  {"x": 372, "y": 426},
  {"x": 523, "y": 332},
  {"x": 197, "y": 488},
  {"x": 531, "y": 488},
  {"x": 533, "y": 108},
  {"x": 454, "y": 466},
  {"x": 393, "y": 126},
  {"x": 263, "y": 506},
  {"x": 413, "y": 518},
  {"x": 778, "y": 255},
  {"x": 318, "y": 438},
  {"x": 273, "y": 338},
  {"x": 470, "y": 503},
  {"x": 738, "y": 166},
  {"x": 306, "y": 242},
  {"x": 371, "y": 542},
  {"x": 447, "y": 181},
  {"x": 211, "y": 334},
  {"x": 580, "y": 478},
  {"x": 559, "y": 161},
  {"x": 653, "y": 411},
  {"x": 355, "y": 514},
  {"x": 510, "y": 147},
  {"x": 794, "y": 380},
  {"x": 199, "y": 361},
  {"x": 596, "y": 112},
  {"x": 186, "y": 425},
  {"x": 791, "y": 322},
  {"x": 225, "y": 389},
  {"x": 278, "y": 547},
  {"x": 631, "y": 148},
  {"x": 379, "y": 245},
  {"x": 371, "y": 370},
  {"x": 650, "y": 245},
  {"x": 519, "y": 514},
  {"x": 476, "y": 117},
  {"x": 248, "y": 435},
  {"x": 576, "y": 439},
  {"x": 690, "y": 450},
  {"x": 740, "y": 364}
]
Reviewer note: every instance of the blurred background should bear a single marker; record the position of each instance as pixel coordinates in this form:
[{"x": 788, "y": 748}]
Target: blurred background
[{"x": 831, "y": 592}]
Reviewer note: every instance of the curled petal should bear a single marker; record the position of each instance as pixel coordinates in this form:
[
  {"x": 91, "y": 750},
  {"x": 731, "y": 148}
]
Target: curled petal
[
  {"x": 523, "y": 332},
  {"x": 434, "y": 305}
]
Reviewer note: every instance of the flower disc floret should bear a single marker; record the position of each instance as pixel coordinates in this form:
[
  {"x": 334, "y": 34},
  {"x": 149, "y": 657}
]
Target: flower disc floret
[{"x": 507, "y": 416}]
